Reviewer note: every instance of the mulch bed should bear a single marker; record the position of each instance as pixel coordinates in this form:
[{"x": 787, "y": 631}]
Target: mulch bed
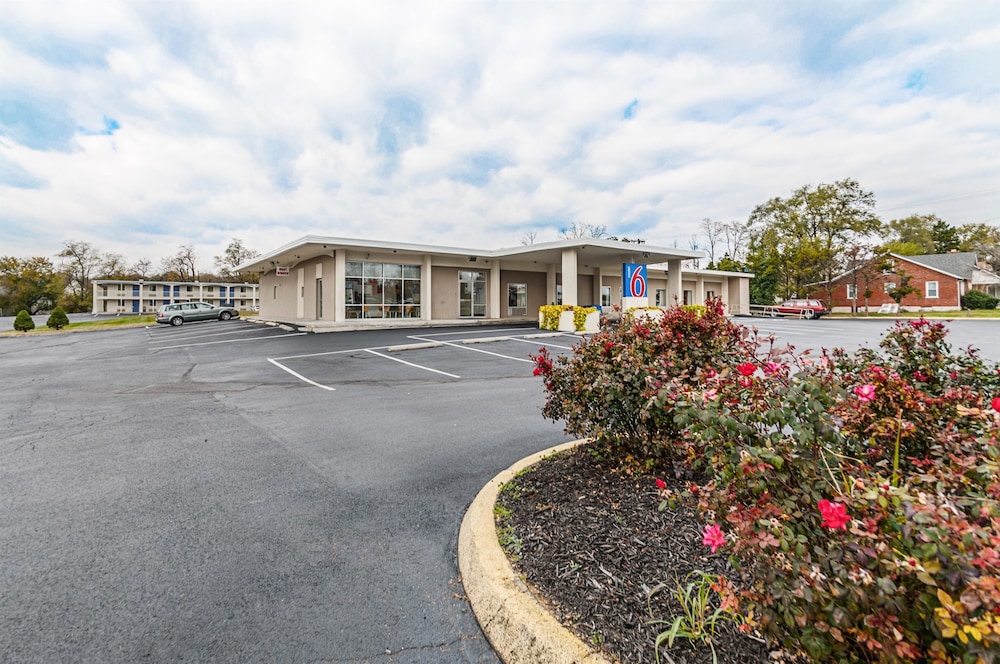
[{"x": 592, "y": 544}]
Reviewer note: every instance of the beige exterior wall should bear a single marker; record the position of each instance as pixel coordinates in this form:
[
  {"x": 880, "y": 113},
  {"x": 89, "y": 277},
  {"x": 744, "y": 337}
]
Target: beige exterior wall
[
  {"x": 294, "y": 297},
  {"x": 535, "y": 283}
]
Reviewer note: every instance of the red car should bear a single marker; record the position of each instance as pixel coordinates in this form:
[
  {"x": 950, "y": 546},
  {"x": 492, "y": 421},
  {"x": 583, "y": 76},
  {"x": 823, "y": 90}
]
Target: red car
[{"x": 802, "y": 308}]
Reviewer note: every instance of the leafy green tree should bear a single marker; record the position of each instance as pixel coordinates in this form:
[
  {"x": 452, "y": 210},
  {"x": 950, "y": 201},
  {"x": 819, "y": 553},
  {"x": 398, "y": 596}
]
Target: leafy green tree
[
  {"x": 23, "y": 322},
  {"x": 57, "y": 319},
  {"x": 945, "y": 237},
  {"x": 903, "y": 288},
  {"x": 910, "y": 236},
  {"x": 31, "y": 284},
  {"x": 803, "y": 238}
]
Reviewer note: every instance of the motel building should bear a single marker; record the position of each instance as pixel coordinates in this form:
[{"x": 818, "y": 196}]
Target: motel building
[
  {"x": 317, "y": 281},
  {"x": 141, "y": 296}
]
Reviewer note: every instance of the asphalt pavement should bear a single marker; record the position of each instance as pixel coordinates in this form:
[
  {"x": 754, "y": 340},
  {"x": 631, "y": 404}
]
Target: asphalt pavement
[{"x": 233, "y": 492}]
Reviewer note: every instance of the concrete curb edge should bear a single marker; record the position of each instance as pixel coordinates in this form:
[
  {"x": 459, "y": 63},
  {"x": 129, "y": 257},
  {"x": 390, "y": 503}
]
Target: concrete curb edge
[{"x": 518, "y": 627}]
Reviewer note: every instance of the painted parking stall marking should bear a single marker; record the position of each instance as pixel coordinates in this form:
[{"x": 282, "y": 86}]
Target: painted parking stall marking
[{"x": 426, "y": 354}]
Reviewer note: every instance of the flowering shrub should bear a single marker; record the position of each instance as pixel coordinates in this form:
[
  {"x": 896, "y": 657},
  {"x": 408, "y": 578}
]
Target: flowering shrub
[
  {"x": 603, "y": 391},
  {"x": 875, "y": 557},
  {"x": 859, "y": 495}
]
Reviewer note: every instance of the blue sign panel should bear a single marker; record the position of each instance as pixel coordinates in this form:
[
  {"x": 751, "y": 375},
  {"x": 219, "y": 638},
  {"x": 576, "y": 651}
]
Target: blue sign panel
[{"x": 634, "y": 280}]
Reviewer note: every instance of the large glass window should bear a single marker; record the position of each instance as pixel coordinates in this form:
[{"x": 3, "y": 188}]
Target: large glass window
[{"x": 381, "y": 290}]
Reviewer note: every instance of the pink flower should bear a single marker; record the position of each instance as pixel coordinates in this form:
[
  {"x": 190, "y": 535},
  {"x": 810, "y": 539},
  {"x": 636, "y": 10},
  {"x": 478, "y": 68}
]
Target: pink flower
[
  {"x": 708, "y": 395},
  {"x": 920, "y": 375},
  {"x": 660, "y": 484},
  {"x": 995, "y": 403},
  {"x": 834, "y": 515},
  {"x": 747, "y": 368},
  {"x": 714, "y": 537},
  {"x": 865, "y": 393},
  {"x": 773, "y": 368}
]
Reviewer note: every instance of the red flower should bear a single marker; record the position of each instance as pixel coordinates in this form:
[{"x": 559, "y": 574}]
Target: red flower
[
  {"x": 920, "y": 375},
  {"x": 537, "y": 371},
  {"x": 773, "y": 368},
  {"x": 660, "y": 484},
  {"x": 865, "y": 392},
  {"x": 747, "y": 368},
  {"x": 995, "y": 403},
  {"x": 834, "y": 515},
  {"x": 713, "y": 537}
]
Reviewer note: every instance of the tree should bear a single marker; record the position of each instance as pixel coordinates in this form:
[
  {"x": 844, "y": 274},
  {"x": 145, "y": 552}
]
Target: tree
[
  {"x": 23, "y": 322},
  {"x": 945, "y": 237},
  {"x": 80, "y": 260},
  {"x": 182, "y": 266},
  {"x": 57, "y": 319},
  {"x": 910, "y": 236},
  {"x": 713, "y": 232},
  {"x": 864, "y": 263},
  {"x": 142, "y": 268},
  {"x": 579, "y": 229},
  {"x": 31, "y": 284},
  {"x": 235, "y": 254},
  {"x": 737, "y": 238},
  {"x": 529, "y": 237},
  {"x": 803, "y": 238},
  {"x": 904, "y": 288},
  {"x": 113, "y": 267},
  {"x": 984, "y": 240}
]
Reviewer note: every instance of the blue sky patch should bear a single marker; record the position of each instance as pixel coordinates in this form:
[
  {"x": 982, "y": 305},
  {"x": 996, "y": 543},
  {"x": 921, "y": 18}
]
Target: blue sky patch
[
  {"x": 916, "y": 80},
  {"x": 630, "y": 110},
  {"x": 35, "y": 123},
  {"x": 478, "y": 169}
]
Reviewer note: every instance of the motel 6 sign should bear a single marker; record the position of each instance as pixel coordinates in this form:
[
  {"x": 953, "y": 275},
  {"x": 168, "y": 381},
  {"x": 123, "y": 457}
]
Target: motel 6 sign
[{"x": 634, "y": 278}]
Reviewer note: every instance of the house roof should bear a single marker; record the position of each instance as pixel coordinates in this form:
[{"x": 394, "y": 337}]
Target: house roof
[{"x": 957, "y": 264}]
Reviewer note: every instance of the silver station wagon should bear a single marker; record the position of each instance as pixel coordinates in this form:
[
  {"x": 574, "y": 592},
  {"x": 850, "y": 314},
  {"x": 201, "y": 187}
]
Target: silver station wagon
[{"x": 182, "y": 312}]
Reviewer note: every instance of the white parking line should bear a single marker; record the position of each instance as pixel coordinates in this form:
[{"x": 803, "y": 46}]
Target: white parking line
[
  {"x": 411, "y": 364},
  {"x": 300, "y": 376},
  {"x": 477, "y": 350},
  {"x": 534, "y": 342},
  {"x": 232, "y": 341}
]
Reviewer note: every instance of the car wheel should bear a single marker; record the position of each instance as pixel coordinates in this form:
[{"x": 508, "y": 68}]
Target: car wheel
[
  {"x": 225, "y": 315},
  {"x": 809, "y": 314},
  {"x": 176, "y": 320}
]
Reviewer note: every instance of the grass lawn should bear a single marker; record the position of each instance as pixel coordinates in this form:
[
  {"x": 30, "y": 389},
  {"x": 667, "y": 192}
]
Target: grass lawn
[{"x": 82, "y": 326}]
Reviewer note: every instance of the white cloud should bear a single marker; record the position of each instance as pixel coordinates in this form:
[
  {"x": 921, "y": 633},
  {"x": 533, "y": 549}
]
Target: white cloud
[{"x": 471, "y": 122}]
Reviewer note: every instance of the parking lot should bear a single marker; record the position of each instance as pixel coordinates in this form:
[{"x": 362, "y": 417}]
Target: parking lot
[{"x": 230, "y": 491}]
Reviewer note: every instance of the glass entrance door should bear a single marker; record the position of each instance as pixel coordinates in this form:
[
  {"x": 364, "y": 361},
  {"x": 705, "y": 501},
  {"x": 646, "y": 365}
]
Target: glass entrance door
[{"x": 471, "y": 294}]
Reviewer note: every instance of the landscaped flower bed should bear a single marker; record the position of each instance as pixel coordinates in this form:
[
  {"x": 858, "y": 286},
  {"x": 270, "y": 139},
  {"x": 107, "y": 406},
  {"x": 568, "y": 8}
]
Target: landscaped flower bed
[{"x": 855, "y": 495}]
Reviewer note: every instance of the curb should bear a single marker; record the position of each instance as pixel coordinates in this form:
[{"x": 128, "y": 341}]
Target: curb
[{"x": 518, "y": 627}]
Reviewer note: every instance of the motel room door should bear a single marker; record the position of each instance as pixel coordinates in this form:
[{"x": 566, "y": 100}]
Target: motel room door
[{"x": 471, "y": 294}]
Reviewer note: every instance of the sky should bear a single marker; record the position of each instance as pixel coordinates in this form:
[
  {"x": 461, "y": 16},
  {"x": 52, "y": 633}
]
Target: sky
[{"x": 143, "y": 126}]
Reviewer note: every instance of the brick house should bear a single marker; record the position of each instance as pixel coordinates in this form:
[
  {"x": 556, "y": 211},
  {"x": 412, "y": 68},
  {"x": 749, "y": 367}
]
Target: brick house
[{"x": 940, "y": 279}]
